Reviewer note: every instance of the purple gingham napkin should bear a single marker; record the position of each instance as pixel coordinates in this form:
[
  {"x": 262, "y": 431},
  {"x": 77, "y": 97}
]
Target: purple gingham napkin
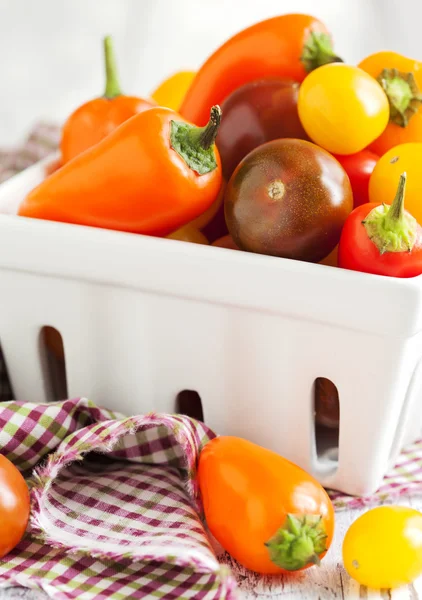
[
  {"x": 115, "y": 510},
  {"x": 42, "y": 141}
]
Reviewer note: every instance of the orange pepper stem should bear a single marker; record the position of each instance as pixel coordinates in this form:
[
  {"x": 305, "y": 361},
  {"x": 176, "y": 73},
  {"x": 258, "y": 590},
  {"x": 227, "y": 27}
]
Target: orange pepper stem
[
  {"x": 318, "y": 51},
  {"x": 402, "y": 93},
  {"x": 112, "y": 88},
  {"x": 205, "y": 136},
  {"x": 196, "y": 144},
  {"x": 298, "y": 543},
  {"x": 391, "y": 228}
]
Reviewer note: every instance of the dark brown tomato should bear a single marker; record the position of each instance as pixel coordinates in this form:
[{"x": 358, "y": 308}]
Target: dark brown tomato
[
  {"x": 288, "y": 198},
  {"x": 256, "y": 113}
]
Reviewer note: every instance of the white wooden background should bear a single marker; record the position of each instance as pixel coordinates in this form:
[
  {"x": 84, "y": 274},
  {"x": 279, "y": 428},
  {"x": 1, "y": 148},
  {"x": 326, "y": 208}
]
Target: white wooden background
[{"x": 328, "y": 582}]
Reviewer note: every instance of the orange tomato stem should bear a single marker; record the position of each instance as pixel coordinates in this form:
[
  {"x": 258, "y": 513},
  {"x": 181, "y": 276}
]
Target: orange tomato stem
[
  {"x": 196, "y": 144},
  {"x": 112, "y": 88},
  {"x": 391, "y": 228},
  {"x": 402, "y": 93},
  {"x": 298, "y": 543},
  {"x": 318, "y": 51}
]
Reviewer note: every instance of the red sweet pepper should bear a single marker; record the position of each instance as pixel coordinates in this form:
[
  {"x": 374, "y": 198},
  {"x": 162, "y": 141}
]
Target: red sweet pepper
[{"x": 382, "y": 239}]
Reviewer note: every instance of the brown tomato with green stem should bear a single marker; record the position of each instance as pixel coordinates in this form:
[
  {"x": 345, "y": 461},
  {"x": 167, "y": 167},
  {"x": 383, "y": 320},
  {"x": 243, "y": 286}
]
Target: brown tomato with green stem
[{"x": 288, "y": 198}]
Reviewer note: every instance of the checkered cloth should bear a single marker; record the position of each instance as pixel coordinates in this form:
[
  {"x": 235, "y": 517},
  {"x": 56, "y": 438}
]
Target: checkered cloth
[
  {"x": 42, "y": 141},
  {"x": 115, "y": 504}
]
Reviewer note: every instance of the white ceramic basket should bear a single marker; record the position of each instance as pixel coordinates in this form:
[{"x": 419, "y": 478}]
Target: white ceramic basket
[{"x": 144, "y": 318}]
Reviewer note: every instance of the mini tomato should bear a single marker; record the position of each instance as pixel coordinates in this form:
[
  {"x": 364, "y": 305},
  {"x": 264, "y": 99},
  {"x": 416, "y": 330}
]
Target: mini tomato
[
  {"x": 330, "y": 260},
  {"x": 383, "y": 181},
  {"x": 383, "y": 547},
  {"x": 359, "y": 168},
  {"x": 226, "y": 242},
  {"x": 342, "y": 108},
  {"x": 189, "y": 234},
  {"x": 269, "y": 514},
  {"x": 14, "y": 506},
  {"x": 288, "y": 198},
  {"x": 255, "y": 113},
  {"x": 382, "y": 239}
]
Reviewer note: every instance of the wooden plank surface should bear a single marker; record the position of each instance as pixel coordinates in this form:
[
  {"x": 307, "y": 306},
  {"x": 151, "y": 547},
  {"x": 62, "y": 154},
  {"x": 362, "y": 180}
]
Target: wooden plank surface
[{"x": 328, "y": 582}]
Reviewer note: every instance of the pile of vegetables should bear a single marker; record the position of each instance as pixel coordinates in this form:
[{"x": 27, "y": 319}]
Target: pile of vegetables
[{"x": 275, "y": 146}]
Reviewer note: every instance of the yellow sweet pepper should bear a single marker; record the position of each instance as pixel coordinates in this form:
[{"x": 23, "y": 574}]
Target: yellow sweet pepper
[{"x": 172, "y": 91}]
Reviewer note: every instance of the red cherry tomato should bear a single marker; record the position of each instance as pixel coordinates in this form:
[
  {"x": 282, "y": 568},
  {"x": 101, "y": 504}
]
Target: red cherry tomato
[
  {"x": 359, "y": 168},
  {"x": 14, "y": 506}
]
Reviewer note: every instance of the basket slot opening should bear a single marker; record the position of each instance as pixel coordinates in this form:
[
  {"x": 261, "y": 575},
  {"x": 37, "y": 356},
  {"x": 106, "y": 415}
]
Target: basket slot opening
[
  {"x": 6, "y": 391},
  {"x": 52, "y": 351},
  {"x": 189, "y": 403},
  {"x": 326, "y": 422}
]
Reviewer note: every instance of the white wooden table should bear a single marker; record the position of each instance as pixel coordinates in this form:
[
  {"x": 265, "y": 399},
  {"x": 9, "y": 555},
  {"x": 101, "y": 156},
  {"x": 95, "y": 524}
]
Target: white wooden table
[{"x": 328, "y": 582}]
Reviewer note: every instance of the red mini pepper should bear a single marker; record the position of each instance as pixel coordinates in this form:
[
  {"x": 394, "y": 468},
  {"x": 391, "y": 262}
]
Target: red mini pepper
[{"x": 382, "y": 239}]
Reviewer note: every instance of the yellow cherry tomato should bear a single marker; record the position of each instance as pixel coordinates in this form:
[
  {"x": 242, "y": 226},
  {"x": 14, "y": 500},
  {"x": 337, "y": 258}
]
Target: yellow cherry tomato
[
  {"x": 342, "y": 108},
  {"x": 383, "y": 547},
  {"x": 171, "y": 92},
  {"x": 383, "y": 181},
  {"x": 189, "y": 234}
]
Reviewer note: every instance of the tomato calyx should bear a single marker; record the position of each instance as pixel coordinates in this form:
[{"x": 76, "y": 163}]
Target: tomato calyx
[
  {"x": 318, "y": 51},
  {"x": 298, "y": 543},
  {"x": 196, "y": 144},
  {"x": 112, "y": 88},
  {"x": 391, "y": 228},
  {"x": 403, "y": 95}
]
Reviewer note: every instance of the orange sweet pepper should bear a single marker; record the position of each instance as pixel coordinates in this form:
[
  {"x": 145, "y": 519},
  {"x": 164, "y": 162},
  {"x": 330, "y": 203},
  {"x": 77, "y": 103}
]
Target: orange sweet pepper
[
  {"x": 401, "y": 79},
  {"x": 94, "y": 120},
  {"x": 289, "y": 46},
  {"x": 153, "y": 174}
]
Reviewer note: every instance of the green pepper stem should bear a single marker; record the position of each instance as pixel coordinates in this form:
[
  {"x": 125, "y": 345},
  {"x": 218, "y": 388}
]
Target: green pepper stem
[
  {"x": 204, "y": 137},
  {"x": 391, "y": 228},
  {"x": 403, "y": 95},
  {"x": 396, "y": 211},
  {"x": 318, "y": 51},
  {"x": 112, "y": 88},
  {"x": 298, "y": 543},
  {"x": 196, "y": 144}
]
